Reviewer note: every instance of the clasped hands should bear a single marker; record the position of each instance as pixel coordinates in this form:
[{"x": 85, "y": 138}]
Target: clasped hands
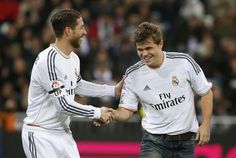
[{"x": 107, "y": 116}]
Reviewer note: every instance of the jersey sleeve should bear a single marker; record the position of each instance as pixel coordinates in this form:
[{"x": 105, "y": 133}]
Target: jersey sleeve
[
  {"x": 128, "y": 99},
  {"x": 198, "y": 80},
  {"x": 85, "y": 88},
  {"x": 50, "y": 78}
]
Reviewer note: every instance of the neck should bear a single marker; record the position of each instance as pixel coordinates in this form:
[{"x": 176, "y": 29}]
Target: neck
[
  {"x": 63, "y": 46},
  {"x": 161, "y": 58}
]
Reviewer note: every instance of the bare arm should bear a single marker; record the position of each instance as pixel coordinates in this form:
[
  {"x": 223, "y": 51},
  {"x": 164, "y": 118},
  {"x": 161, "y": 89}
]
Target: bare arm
[
  {"x": 203, "y": 135},
  {"x": 121, "y": 114},
  {"x": 118, "y": 87}
]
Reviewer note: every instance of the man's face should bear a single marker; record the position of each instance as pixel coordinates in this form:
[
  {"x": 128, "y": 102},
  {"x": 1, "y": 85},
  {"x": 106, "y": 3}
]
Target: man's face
[
  {"x": 150, "y": 52},
  {"x": 78, "y": 33}
]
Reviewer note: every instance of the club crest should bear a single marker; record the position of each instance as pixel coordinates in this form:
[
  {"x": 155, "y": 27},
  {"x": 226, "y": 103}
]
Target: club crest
[{"x": 175, "y": 81}]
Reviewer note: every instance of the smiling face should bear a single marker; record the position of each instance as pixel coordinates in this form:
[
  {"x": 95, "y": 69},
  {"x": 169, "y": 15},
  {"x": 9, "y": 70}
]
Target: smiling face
[
  {"x": 149, "y": 42},
  {"x": 68, "y": 26},
  {"x": 150, "y": 53},
  {"x": 78, "y": 33}
]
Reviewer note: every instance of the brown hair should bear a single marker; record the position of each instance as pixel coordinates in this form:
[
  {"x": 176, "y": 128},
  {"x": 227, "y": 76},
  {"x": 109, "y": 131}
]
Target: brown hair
[
  {"x": 146, "y": 30},
  {"x": 64, "y": 18}
]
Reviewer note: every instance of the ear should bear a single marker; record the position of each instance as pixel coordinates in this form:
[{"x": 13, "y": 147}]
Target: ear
[{"x": 68, "y": 31}]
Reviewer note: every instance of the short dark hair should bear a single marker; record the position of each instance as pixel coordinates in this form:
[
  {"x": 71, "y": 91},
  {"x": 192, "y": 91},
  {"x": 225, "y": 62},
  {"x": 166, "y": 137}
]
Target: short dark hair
[
  {"x": 64, "y": 18},
  {"x": 146, "y": 30}
]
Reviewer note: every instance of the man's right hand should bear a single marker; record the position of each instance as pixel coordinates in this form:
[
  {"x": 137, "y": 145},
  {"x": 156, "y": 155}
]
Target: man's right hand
[
  {"x": 106, "y": 112},
  {"x": 106, "y": 115}
]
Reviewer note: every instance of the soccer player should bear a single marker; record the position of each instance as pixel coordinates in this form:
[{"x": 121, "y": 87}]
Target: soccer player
[
  {"x": 55, "y": 80},
  {"x": 164, "y": 83}
]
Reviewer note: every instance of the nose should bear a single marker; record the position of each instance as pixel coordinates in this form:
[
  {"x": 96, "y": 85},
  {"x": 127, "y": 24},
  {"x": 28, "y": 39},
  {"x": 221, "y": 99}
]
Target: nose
[
  {"x": 85, "y": 32},
  {"x": 144, "y": 53}
]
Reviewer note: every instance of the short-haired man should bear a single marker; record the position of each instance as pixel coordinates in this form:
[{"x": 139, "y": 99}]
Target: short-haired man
[
  {"x": 55, "y": 80},
  {"x": 164, "y": 83}
]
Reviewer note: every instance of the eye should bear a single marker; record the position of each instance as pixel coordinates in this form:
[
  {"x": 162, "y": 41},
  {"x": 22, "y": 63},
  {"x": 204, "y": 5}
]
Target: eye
[{"x": 149, "y": 48}]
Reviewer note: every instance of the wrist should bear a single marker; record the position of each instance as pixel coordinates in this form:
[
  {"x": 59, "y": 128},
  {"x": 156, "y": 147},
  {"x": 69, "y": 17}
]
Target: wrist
[
  {"x": 97, "y": 113},
  {"x": 206, "y": 122}
]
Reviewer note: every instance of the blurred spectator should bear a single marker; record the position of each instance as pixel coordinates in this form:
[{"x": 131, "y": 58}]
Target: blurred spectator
[
  {"x": 9, "y": 9},
  {"x": 221, "y": 103},
  {"x": 222, "y": 106},
  {"x": 231, "y": 84},
  {"x": 102, "y": 73},
  {"x": 9, "y": 97},
  {"x": 209, "y": 58},
  {"x": 102, "y": 68}
]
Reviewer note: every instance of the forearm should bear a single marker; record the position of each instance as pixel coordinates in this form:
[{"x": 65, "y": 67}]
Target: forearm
[
  {"x": 122, "y": 114},
  {"x": 207, "y": 107},
  {"x": 72, "y": 108}
]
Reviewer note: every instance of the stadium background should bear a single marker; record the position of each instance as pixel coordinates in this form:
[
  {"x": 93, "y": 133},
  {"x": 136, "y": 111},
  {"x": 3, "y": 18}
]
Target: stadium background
[{"x": 205, "y": 29}]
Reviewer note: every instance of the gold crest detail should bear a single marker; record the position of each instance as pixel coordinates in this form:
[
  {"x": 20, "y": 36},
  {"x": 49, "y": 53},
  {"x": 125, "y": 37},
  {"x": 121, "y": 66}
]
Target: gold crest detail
[{"x": 175, "y": 81}]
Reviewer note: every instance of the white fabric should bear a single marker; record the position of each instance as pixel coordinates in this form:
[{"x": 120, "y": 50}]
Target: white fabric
[
  {"x": 59, "y": 75},
  {"x": 43, "y": 143},
  {"x": 85, "y": 88},
  {"x": 166, "y": 93},
  {"x": 55, "y": 80}
]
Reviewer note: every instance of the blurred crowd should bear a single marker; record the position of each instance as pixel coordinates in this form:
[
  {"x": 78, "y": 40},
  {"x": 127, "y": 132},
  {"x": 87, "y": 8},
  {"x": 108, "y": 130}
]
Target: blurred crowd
[{"x": 204, "y": 29}]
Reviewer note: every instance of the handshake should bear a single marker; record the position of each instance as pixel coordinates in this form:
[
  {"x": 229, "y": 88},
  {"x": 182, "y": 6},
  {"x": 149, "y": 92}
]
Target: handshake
[{"x": 107, "y": 116}]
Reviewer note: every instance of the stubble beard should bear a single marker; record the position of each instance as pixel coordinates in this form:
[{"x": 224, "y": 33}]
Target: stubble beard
[{"x": 75, "y": 43}]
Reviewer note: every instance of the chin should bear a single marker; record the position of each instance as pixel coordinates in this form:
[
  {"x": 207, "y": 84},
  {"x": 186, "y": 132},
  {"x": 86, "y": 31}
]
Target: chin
[
  {"x": 76, "y": 46},
  {"x": 149, "y": 64}
]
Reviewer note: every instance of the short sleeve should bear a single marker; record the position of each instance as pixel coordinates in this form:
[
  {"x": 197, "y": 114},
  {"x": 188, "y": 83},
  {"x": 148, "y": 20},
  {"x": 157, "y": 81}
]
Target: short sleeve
[
  {"x": 128, "y": 99},
  {"x": 198, "y": 80}
]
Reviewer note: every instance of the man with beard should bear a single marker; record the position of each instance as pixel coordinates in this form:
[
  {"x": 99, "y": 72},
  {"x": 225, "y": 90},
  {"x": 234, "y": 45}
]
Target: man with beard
[{"x": 55, "y": 80}]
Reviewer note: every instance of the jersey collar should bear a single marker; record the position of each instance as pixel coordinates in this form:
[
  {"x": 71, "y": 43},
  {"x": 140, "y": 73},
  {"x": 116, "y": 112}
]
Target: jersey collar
[{"x": 62, "y": 54}]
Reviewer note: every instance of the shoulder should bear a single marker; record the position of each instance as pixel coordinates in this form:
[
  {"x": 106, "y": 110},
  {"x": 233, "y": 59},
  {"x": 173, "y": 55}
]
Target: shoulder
[
  {"x": 183, "y": 59},
  {"x": 179, "y": 56},
  {"x": 46, "y": 57},
  {"x": 134, "y": 68},
  {"x": 75, "y": 56}
]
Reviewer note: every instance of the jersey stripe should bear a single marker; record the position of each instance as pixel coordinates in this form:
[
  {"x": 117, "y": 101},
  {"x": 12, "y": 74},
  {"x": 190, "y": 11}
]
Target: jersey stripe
[
  {"x": 32, "y": 147},
  {"x": 75, "y": 110},
  {"x": 134, "y": 67},
  {"x": 84, "y": 110},
  {"x": 78, "y": 78},
  {"x": 51, "y": 65},
  {"x": 48, "y": 57},
  {"x": 188, "y": 58}
]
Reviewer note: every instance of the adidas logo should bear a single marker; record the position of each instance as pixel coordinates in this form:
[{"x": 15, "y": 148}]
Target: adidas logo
[{"x": 146, "y": 88}]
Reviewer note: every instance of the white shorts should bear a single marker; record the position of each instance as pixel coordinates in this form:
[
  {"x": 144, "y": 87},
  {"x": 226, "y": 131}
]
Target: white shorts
[{"x": 42, "y": 143}]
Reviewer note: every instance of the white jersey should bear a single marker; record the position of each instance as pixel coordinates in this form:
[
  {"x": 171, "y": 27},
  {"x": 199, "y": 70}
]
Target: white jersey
[
  {"x": 166, "y": 93},
  {"x": 55, "y": 80}
]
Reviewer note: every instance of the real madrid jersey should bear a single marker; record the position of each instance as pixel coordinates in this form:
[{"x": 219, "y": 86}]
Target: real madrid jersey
[
  {"x": 166, "y": 93},
  {"x": 55, "y": 80}
]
